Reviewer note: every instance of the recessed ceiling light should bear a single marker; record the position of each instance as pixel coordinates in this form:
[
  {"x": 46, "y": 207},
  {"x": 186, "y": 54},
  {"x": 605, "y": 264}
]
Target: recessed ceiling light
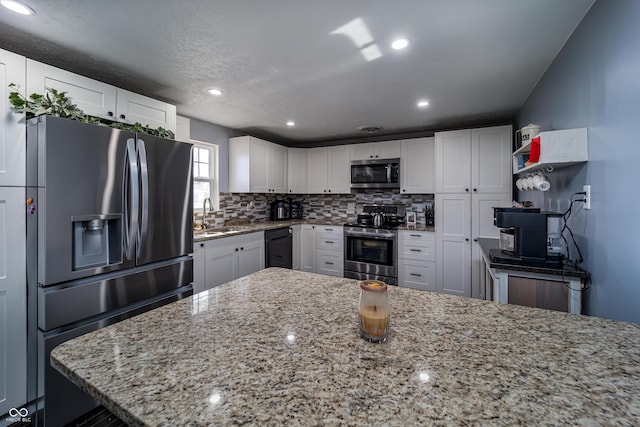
[
  {"x": 423, "y": 104},
  {"x": 17, "y": 7},
  {"x": 291, "y": 123},
  {"x": 400, "y": 43},
  {"x": 215, "y": 92}
]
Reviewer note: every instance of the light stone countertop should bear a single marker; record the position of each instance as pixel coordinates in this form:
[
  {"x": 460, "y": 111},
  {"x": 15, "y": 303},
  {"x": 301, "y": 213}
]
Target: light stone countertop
[
  {"x": 235, "y": 230},
  {"x": 281, "y": 347}
]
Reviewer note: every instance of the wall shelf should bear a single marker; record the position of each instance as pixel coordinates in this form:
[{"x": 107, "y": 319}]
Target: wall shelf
[{"x": 558, "y": 149}]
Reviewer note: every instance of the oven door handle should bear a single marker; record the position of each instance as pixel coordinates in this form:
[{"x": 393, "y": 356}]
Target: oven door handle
[{"x": 371, "y": 236}]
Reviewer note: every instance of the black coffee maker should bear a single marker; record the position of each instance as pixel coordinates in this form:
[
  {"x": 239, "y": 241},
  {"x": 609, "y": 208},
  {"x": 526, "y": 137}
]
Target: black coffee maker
[
  {"x": 279, "y": 210},
  {"x": 531, "y": 237}
]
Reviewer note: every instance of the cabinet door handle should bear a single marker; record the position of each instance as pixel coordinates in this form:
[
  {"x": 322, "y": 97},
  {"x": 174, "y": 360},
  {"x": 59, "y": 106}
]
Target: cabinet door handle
[
  {"x": 236, "y": 249},
  {"x": 466, "y": 240},
  {"x": 415, "y": 250},
  {"x": 475, "y": 240},
  {"x": 475, "y": 189},
  {"x": 242, "y": 249},
  {"x": 403, "y": 190},
  {"x": 324, "y": 191},
  {"x": 122, "y": 116},
  {"x": 110, "y": 113},
  {"x": 415, "y": 274},
  {"x": 466, "y": 189},
  {"x": 202, "y": 245},
  {"x": 329, "y": 190}
]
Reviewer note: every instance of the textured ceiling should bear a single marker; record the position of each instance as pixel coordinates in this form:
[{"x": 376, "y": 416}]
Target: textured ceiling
[{"x": 327, "y": 64}]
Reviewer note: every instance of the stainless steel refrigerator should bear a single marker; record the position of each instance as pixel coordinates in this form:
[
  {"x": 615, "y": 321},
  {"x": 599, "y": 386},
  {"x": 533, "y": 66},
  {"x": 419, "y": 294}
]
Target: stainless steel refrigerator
[{"x": 109, "y": 232}]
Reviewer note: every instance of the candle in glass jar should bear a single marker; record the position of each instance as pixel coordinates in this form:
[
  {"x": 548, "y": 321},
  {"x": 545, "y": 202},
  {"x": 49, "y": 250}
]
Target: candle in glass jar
[
  {"x": 374, "y": 311},
  {"x": 374, "y": 320}
]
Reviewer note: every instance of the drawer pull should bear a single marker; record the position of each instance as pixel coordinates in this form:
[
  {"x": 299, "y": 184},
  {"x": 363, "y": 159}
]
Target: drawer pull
[
  {"x": 328, "y": 263},
  {"x": 415, "y": 250},
  {"x": 415, "y": 235},
  {"x": 328, "y": 229},
  {"x": 328, "y": 242},
  {"x": 416, "y": 274}
]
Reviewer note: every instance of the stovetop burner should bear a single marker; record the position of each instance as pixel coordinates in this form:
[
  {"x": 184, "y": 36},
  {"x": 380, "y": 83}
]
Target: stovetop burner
[
  {"x": 381, "y": 227},
  {"x": 393, "y": 217}
]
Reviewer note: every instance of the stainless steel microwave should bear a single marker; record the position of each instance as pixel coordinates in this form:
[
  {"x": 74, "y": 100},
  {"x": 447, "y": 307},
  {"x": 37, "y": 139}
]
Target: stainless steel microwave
[{"x": 377, "y": 173}]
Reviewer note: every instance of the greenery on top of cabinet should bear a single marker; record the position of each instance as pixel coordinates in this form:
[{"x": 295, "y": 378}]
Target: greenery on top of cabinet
[{"x": 57, "y": 104}]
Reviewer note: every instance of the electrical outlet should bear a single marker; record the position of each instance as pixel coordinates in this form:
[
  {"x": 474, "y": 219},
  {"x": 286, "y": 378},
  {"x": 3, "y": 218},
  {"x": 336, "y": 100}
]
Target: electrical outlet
[{"x": 587, "y": 196}]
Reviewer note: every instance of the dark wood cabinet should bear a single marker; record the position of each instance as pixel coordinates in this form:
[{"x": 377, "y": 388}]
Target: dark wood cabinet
[{"x": 552, "y": 295}]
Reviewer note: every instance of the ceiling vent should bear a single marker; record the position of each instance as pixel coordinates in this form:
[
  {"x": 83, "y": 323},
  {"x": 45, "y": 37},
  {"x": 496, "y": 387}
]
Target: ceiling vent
[{"x": 370, "y": 129}]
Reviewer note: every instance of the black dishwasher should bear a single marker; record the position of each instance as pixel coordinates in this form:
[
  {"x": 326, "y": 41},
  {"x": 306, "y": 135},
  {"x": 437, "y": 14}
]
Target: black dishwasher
[{"x": 278, "y": 245}]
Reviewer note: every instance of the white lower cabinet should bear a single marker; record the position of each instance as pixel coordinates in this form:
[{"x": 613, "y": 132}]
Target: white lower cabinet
[
  {"x": 329, "y": 250},
  {"x": 416, "y": 260},
  {"x": 461, "y": 219},
  {"x": 329, "y": 263},
  {"x": 219, "y": 261},
  {"x": 308, "y": 248},
  {"x": 453, "y": 235},
  {"x": 295, "y": 261},
  {"x": 13, "y": 299},
  {"x": 198, "y": 267}
]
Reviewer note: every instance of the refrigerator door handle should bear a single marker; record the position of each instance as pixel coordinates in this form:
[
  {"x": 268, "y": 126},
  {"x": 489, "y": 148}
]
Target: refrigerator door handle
[
  {"x": 131, "y": 198},
  {"x": 144, "y": 185}
]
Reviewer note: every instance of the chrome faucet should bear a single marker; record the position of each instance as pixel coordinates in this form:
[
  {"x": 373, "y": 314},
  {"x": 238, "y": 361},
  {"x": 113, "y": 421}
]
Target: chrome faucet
[{"x": 204, "y": 209}]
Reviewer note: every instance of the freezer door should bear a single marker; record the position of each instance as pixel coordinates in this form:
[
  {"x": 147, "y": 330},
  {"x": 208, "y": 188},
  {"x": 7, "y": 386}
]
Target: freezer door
[
  {"x": 166, "y": 199},
  {"x": 75, "y": 177}
]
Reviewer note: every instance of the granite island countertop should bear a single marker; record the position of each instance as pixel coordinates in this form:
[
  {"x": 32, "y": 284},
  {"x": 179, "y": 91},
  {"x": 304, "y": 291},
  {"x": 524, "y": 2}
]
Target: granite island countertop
[{"x": 282, "y": 347}]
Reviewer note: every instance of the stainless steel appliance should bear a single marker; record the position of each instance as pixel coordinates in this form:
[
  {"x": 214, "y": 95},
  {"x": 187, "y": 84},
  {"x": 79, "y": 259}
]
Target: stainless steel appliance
[
  {"x": 109, "y": 232},
  {"x": 534, "y": 242},
  {"x": 279, "y": 210},
  {"x": 371, "y": 251},
  {"x": 279, "y": 247},
  {"x": 377, "y": 173}
]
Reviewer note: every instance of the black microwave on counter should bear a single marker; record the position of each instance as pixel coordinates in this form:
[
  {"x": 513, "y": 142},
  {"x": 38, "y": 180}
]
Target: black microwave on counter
[{"x": 376, "y": 173}]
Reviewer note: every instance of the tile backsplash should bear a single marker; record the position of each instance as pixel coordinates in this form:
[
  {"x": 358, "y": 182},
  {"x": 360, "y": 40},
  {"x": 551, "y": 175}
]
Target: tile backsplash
[{"x": 252, "y": 207}]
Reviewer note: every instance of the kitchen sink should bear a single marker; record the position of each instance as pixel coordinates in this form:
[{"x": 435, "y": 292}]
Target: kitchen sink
[{"x": 217, "y": 231}]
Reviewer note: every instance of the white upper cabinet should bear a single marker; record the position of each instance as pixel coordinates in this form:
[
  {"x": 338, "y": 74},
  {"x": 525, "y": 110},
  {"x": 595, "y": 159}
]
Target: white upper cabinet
[
  {"x": 256, "y": 166},
  {"x": 375, "y": 150},
  {"x": 134, "y": 108},
  {"x": 339, "y": 179},
  {"x": 453, "y": 161},
  {"x": 474, "y": 160},
  {"x": 417, "y": 166},
  {"x": 329, "y": 170},
  {"x": 491, "y": 160},
  {"x": 317, "y": 170},
  {"x": 100, "y": 99},
  {"x": 297, "y": 170},
  {"x": 183, "y": 129},
  {"x": 278, "y": 168},
  {"x": 13, "y": 130}
]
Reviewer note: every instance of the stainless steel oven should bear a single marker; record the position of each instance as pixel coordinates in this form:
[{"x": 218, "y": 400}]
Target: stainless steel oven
[{"x": 371, "y": 253}]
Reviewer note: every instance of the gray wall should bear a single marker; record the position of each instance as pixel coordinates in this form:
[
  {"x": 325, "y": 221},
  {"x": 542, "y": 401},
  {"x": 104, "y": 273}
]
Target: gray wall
[
  {"x": 595, "y": 83},
  {"x": 209, "y": 132}
]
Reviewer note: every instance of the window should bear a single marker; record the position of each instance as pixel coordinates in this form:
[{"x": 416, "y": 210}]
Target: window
[{"x": 205, "y": 175}]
